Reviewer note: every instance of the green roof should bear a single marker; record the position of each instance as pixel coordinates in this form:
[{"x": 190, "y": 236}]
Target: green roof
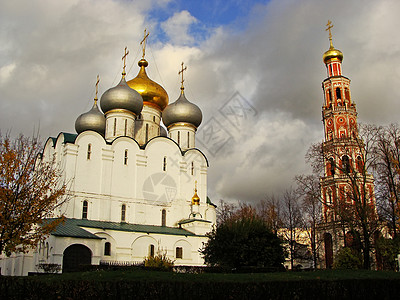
[
  {"x": 73, "y": 228},
  {"x": 192, "y": 220},
  {"x": 209, "y": 202},
  {"x": 69, "y": 137}
]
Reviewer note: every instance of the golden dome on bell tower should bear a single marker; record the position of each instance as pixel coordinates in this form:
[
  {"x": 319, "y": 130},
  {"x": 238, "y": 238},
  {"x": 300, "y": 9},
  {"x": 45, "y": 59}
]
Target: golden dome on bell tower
[{"x": 332, "y": 53}]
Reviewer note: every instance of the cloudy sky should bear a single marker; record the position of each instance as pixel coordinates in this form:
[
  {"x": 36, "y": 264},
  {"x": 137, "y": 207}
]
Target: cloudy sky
[{"x": 254, "y": 67}]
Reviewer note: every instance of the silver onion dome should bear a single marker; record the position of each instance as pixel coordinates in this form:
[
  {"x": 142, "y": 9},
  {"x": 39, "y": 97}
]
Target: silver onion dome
[
  {"x": 121, "y": 97},
  {"x": 163, "y": 131},
  {"x": 91, "y": 120},
  {"x": 182, "y": 111}
]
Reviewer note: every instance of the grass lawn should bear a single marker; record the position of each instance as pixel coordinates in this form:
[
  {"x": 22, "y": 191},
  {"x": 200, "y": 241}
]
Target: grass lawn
[{"x": 144, "y": 275}]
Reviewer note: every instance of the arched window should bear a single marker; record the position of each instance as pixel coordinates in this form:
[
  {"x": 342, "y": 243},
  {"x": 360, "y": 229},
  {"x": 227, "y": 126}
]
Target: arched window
[
  {"x": 89, "y": 151},
  {"x": 85, "y": 210},
  {"x": 192, "y": 168},
  {"x": 331, "y": 166},
  {"x": 338, "y": 93},
  {"x": 179, "y": 252},
  {"x": 163, "y": 217},
  {"x": 151, "y": 250},
  {"x": 179, "y": 137},
  {"x": 107, "y": 249},
  {"x": 123, "y": 212},
  {"x": 115, "y": 127},
  {"x": 330, "y": 95},
  {"x": 165, "y": 164},
  {"x": 125, "y": 127},
  {"x": 345, "y": 164},
  {"x": 126, "y": 157},
  {"x": 154, "y": 119}
]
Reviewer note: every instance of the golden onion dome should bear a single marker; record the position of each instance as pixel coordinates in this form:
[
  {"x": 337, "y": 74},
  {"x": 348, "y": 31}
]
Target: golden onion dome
[
  {"x": 121, "y": 97},
  {"x": 152, "y": 93},
  {"x": 182, "y": 110},
  {"x": 331, "y": 54},
  {"x": 91, "y": 120},
  {"x": 195, "y": 199}
]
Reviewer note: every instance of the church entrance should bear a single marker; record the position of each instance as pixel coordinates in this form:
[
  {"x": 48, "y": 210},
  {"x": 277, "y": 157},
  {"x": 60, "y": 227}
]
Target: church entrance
[{"x": 75, "y": 256}]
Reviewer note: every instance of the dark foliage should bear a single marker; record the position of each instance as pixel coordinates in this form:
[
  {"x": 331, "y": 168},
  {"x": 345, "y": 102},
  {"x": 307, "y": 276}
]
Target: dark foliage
[{"x": 243, "y": 241}]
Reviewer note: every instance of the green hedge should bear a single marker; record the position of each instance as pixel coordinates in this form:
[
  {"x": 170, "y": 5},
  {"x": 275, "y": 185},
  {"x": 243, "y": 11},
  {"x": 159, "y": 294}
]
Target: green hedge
[{"x": 38, "y": 288}]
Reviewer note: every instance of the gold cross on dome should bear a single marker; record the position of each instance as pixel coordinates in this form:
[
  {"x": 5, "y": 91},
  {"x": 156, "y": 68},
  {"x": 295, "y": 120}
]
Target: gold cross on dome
[
  {"x": 97, "y": 88},
  {"x": 143, "y": 42},
  {"x": 328, "y": 28},
  {"x": 124, "y": 59},
  {"x": 181, "y": 72}
]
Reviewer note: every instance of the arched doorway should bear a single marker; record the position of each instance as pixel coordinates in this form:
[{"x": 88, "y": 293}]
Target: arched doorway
[
  {"x": 328, "y": 250},
  {"x": 74, "y": 256}
]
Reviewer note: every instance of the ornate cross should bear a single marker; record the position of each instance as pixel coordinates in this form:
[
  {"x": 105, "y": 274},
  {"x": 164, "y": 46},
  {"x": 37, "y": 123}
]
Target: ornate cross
[
  {"x": 181, "y": 72},
  {"x": 124, "y": 59},
  {"x": 143, "y": 42},
  {"x": 328, "y": 28},
  {"x": 97, "y": 89}
]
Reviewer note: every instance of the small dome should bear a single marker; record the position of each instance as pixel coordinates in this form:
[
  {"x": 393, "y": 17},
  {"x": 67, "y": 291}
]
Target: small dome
[
  {"x": 182, "y": 111},
  {"x": 152, "y": 93},
  {"x": 91, "y": 120},
  {"x": 121, "y": 97},
  {"x": 332, "y": 53}
]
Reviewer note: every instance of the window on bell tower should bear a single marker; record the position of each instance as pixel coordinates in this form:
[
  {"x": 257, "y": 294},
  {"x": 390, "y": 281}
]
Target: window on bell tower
[
  {"x": 345, "y": 164},
  {"x": 338, "y": 93}
]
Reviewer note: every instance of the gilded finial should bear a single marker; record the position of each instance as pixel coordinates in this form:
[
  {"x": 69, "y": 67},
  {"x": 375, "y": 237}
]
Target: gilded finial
[
  {"x": 195, "y": 186},
  {"x": 124, "y": 59},
  {"x": 97, "y": 89},
  {"x": 195, "y": 198},
  {"x": 328, "y": 28},
  {"x": 143, "y": 42},
  {"x": 182, "y": 81}
]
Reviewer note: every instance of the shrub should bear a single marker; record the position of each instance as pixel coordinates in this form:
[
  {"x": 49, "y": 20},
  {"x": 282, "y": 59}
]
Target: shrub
[
  {"x": 347, "y": 258},
  {"x": 159, "y": 262}
]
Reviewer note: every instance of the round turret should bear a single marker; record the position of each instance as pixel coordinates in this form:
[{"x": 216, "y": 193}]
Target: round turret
[
  {"x": 152, "y": 93},
  {"x": 121, "y": 97},
  {"x": 92, "y": 120},
  {"x": 182, "y": 111}
]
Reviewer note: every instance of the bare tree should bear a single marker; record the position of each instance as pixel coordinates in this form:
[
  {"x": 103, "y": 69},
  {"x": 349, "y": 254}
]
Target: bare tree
[
  {"x": 270, "y": 210},
  {"x": 308, "y": 187}
]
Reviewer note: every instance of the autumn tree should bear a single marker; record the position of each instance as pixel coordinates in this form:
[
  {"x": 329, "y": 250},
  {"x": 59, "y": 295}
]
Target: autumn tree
[
  {"x": 270, "y": 211},
  {"x": 30, "y": 190}
]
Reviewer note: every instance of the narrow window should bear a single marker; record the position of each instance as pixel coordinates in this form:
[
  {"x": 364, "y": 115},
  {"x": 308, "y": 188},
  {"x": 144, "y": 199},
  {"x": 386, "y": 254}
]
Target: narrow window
[
  {"x": 179, "y": 138},
  {"x": 163, "y": 217},
  {"x": 338, "y": 93},
  {"x": 188, "y": 137},
  {"x": 151, "y": 250},
  {"x": 126, "y": 157},
  {"x": 107, "y": 249},
  {"x": 359, "y": 164},
  {"x": 165, "y": 164},
  {"x": 89, "y": 151},
  {"x": 154, "y": 119},
  {"x": 329, "y": 197},
  {"x": 85, "y": 210},
  {"x": 192, "y": 168},
  {"x": 179, "y": 252},
  {"x": 115, "y": 127},
  {"x": 330, "y": 70},
  {"x": 125, "y": 127},
  {"x": 147, "y": 133},
  {"x": 332, "y": 166},
  {"x": 330, "y": 95},
  {"x": 345, "y": 164},
  {"x": 47, "y": 250},
  {"x": 123, "y": 212}
]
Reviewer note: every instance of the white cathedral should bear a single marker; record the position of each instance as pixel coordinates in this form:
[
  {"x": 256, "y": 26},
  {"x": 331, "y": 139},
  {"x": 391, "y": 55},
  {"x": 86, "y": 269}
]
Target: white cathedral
[{"x": 134, "y": 189}]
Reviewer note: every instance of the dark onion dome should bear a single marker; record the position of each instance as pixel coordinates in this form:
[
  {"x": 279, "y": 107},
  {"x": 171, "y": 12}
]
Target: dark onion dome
[
  {"x": 182, "y": 111},
  {"x": 91, "y": 120},
  {"x": 121, "y": 97},
  {"x": 152, "y": 93}
]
